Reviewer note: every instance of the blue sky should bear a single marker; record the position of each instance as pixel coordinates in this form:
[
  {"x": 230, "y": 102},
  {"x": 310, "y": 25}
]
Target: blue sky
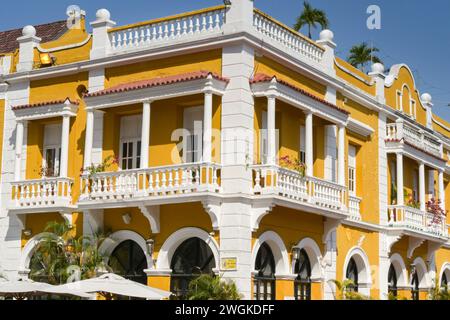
[{"x": 414, "y": 32}]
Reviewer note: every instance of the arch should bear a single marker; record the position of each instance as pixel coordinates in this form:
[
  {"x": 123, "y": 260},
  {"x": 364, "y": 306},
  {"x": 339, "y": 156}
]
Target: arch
[
  {"x": 178, "y": 237},
  {"x": 363, "y": 266},
  {"x": 422, "y": 273},
  {"x": 445, "y": 270},
  {"x": 396, "y": 260},
  {"x": 314, "y": 255},
  {"x": 129, "y": 261},
  {"x": 278, "y": 248},
  {"x": 111, "y": 243},
  {"x": 27, "y": 252}
]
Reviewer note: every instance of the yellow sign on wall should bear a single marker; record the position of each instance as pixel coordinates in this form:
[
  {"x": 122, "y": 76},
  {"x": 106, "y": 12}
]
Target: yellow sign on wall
[{"x": 228, "y": 264}]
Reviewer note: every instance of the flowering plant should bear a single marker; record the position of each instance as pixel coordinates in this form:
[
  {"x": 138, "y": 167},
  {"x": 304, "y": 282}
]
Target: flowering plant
[
  {"x": 434, "y": 207},
  {"x": 46, "y": 172},
  {"x": 293, "y": 164},
  {"x": 93, "y": 169}
]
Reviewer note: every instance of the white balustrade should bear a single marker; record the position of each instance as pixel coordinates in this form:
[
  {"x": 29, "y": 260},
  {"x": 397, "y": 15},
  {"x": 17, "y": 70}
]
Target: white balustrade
[
  {"x": 156, "y": 181},
  {"x": 293, "y": 185},
  {"x": 414, "y": 136},
  {"x": 182, "y": 27},
  {"x": 417, "y": 220},
  {"x": 48, "y": 192},
  {"x": 354, "y": 209},
  {"x": 286, "y": 37}
]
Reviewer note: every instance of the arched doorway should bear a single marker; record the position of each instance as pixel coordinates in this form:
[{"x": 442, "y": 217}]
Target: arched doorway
[
  {"x": 392, "y": 281},
  {"x": 129, "y": 261},
  {"x": 302, "y": 284},
  {"x": 264, "y": 281},
  {"x": 444, "y": 282},
  {"x": 191, "y": 259},
  {"x": 352, "y": 274}
]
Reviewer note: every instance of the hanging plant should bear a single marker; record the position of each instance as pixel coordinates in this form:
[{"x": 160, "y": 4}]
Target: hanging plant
[
  {"x": 434, "y": 207},
  {"x": 293, "y": 164}
]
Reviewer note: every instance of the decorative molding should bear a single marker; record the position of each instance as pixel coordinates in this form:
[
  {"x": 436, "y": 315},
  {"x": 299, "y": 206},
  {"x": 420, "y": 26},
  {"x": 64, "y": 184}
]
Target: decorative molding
[
  {"x": 67, "y": 108},
  {"x": 258, "y": 213},
  {"x": 66, "y": 47},
  {"x": 414, "y": 243},
  {"x": 152, "y": 213},
  {"x": 213, "y": 208},
  {"x": 359, "y": 127}
]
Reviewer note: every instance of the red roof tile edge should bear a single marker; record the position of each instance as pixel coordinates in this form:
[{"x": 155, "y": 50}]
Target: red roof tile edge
[
  {"x": 261, "y": 77},
  {"x": 45, "y": 103},
  {"x": 161, "y": 81}
]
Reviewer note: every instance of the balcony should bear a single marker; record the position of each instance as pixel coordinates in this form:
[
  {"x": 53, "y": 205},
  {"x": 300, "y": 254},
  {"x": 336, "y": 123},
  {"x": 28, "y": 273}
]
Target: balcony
[
  {"x": 416, "y": 220},
  {"x": 42, "y": 195},
  {"x": 415, "y": 137},
  {"x": 168, "y": 182},
  {"x": 291, "y": 185},
  {"x": 188, "y": 27}
]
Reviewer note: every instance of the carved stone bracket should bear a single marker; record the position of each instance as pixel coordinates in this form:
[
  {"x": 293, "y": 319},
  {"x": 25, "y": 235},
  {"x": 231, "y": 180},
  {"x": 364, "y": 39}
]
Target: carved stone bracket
[{"x": 152, "y": 213}]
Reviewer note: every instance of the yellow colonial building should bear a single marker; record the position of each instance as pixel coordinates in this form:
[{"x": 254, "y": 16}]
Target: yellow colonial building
[{"x": 222, "y": 141}]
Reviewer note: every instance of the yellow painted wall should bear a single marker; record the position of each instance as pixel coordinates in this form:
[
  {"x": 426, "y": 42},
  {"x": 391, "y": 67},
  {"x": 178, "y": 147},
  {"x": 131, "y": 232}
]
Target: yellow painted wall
[
  {"x": 354, "y": 76},
  {"x": 208, "y": 61},
  {"x": 348, "y": 237},
  {"x": 272, "y": 68},
  {"x": 405, "y": 78}
]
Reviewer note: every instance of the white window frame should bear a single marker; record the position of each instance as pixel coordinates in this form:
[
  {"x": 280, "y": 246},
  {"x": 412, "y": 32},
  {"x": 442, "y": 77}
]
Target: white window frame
[
  {"x": 57, "y": 159},
  {"x": 352, "y": 170},
  {"x": 193, "y": 153},
  {"x": 136, "y": 153},
  {"x": 399, "y": 100},
  {"x": 302, "y": 153}
]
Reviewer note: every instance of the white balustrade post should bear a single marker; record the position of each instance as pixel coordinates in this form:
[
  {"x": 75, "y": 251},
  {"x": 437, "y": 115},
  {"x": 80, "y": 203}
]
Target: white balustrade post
[
  {"x": 441, "y": 189},
  {"x": 379, "y": 78},
  {"x": 341, "y": 156},
  {"x": 422, "y": 186},
  {"x": 326, "y": 40},
  {"x": 309, "y": 144},
  {"x": 19, "y": 143},
  {"x": 89, "y": 138},
  {"x": 400, "y": 195},
  {"x": 399, "y": 125},
  {"x": 64, "y": 147},
  {"x": 145, "y": 138},
  {"x": 27, "y": 42},
  {"x": 207, "y": 126},
  {"x": 271, "y": 133},
  {"x": 101, "y": 44}
]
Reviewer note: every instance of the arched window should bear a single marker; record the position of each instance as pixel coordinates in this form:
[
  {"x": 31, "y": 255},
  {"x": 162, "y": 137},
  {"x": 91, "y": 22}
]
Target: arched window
[
  {"x": 392, "y": 280},
  {"x": 191, "y": 259},
  {"x": 302, "y": 284},
  {"x": 444, "y": 282},
  {"x": 352, "y": 274},
  {"x": 128, "y": 260},
  {"x": 264, "y": 281},
  {"x": 415, "y": 286}
]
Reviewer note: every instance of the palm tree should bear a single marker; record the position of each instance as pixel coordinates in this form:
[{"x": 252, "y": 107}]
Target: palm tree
[
  {"x": 59, "y": 253},
  {"x": 311, "y": 17},
  {"x": 362, "y": 54},
  {"x": 207, "y": 287},
  {"x": 344, "y": 292}
]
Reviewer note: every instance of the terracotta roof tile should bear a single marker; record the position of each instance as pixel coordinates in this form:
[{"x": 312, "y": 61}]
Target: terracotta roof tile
[
  {"x": 260, "y": 77},
  {"x": 47, "y": 32},
  {"x": 44, "y": 103},
  {"x": 156, "y": 82}
]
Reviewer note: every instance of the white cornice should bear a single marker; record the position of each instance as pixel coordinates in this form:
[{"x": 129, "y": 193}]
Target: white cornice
[
  {"x": 45, "y": 112},
  {"x": 69, "y": 46},
  {"x": 299, "y": 100},
  {"x": 155, "y": 93},
  {"x": 359, "y": 127}
]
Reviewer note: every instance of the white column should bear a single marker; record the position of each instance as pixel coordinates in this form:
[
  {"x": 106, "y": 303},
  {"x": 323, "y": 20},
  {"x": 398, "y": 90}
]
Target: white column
[
  {"x": 422, "y": 186},
  {"x": 309, "y": 144},
  {"x": 145, "y": 138},
  {"x": 89, "y": 139},
  {"x": 441, "y": 189},
  {"x": 271, "y": 133},
  {"x": 207, "y": 126},
  {"x": 64, "y": 147},
  {"x": 400, "y": 196},
  {"x": 341, "y": 156},
  {"x": 19, "y": 143}
]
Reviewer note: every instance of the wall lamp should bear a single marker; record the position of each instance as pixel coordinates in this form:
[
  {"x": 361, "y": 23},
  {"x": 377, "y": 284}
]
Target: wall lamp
[
  {"x": 295, "y": 253},
  {"x": 126, "y": 218}
]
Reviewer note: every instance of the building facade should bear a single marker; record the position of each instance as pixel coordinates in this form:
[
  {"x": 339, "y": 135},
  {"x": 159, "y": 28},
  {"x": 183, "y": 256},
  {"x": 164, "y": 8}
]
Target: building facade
[{"x": 222, "y": 141}]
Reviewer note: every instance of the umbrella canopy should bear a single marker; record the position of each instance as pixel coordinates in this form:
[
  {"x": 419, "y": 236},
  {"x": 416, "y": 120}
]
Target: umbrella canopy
[
  {"x": 25, "y": 287},
  {"x": 118, "y": 285}
]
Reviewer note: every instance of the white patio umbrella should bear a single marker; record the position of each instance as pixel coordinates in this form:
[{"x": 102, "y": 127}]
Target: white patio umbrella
[
  {"x": 23, "y": 288},
  {"x": 115, "y": 284}
]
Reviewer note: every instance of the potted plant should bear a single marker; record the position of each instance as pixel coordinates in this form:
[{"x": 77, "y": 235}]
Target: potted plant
[{"x": 293, "y": 164}]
